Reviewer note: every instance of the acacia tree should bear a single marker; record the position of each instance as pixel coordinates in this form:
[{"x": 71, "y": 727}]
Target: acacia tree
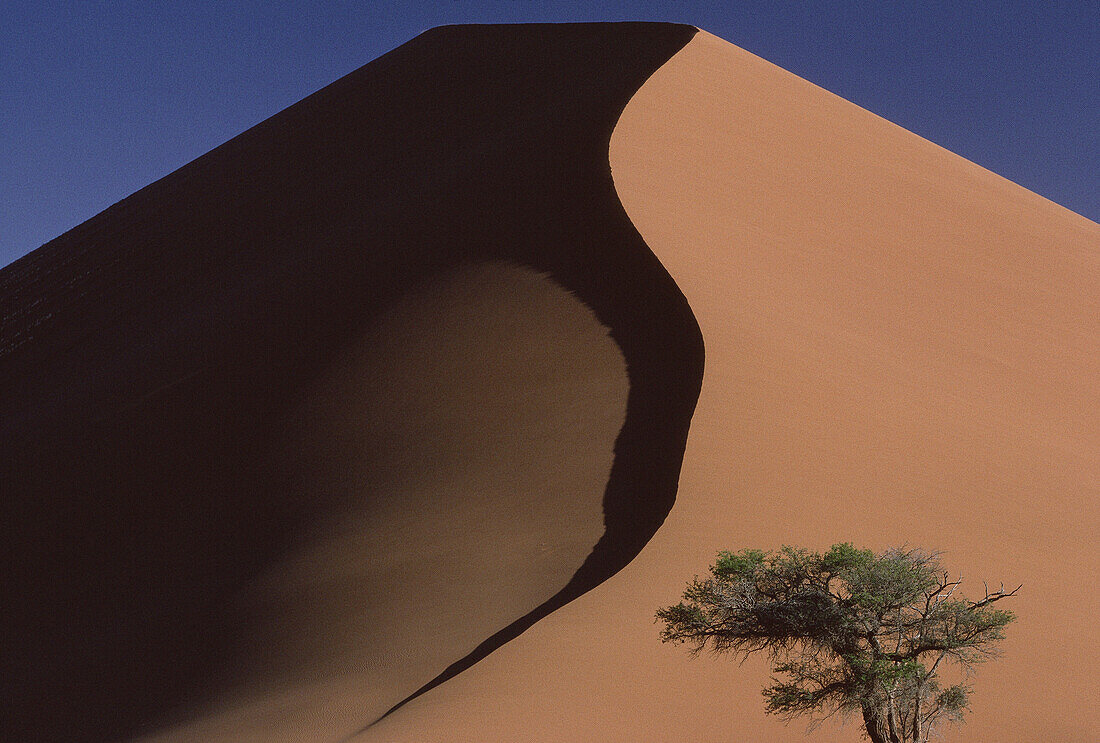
[{"x": 846, "y": 631}]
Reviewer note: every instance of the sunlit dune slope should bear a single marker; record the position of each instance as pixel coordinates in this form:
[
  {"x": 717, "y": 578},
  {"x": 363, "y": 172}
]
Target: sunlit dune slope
[
  {"x": 901, "y": 348},
  {"x": 339, "y": 408}
]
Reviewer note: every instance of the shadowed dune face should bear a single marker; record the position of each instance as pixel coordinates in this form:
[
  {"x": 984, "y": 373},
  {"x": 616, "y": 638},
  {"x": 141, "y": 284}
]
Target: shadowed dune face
[
  {"x": 177, "y": 453},
  {"x": 901, "y": 348},
  {"x": 468, "y": 435}
]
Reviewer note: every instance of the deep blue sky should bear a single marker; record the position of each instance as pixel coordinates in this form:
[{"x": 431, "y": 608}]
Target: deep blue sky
[{"x": 98, "y": 99}]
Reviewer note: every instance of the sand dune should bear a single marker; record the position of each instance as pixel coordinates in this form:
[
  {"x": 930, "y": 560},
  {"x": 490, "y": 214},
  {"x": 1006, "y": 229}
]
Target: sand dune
[
  {"x": 901, "y": 348},
  {"x": 383, "y": 404}
]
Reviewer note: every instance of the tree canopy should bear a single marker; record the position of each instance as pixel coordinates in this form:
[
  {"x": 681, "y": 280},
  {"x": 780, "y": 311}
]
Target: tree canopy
[{"x": 846, "y": 631}]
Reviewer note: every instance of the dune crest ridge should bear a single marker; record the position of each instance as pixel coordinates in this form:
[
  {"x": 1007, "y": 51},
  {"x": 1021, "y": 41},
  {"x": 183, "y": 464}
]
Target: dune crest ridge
[{"x": 206, "y": 455}]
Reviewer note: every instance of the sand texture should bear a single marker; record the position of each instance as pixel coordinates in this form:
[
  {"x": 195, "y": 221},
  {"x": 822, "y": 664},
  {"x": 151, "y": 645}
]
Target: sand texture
[{"x": 398, "y": 401}]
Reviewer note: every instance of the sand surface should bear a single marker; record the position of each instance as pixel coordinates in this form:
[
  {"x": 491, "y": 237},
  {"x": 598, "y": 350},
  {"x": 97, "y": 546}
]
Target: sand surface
[
  {"x": 469, "y": 435},
  {"x": 901, "y": 348}
]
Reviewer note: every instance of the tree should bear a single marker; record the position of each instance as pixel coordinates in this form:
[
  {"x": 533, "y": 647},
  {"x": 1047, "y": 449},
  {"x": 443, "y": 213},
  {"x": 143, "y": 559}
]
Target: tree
[{"x": 846, "y": 631}]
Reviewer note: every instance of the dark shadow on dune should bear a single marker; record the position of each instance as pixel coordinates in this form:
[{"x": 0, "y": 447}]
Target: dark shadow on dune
[{"x": 147, "y": 356}]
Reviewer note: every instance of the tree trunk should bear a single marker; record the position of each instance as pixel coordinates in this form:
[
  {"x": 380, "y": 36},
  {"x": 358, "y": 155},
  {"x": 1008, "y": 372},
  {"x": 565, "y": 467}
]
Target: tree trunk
[
  {"x": 893, "y": 721},
  {"x": 917, "y": 738},
  {"x": 873, "y": 722}
]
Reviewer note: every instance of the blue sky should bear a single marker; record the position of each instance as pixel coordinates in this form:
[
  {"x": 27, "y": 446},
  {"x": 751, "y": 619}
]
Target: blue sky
[{"x": 101, "y": 98}]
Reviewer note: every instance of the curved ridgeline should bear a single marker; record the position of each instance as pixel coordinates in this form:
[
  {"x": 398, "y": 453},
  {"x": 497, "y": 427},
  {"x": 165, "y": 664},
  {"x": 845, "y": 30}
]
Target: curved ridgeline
[{"x": 149, "y": 356}]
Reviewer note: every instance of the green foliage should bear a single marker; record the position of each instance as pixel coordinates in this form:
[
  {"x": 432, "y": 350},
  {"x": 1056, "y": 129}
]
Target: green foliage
[{"x": 846, "y": 630}]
